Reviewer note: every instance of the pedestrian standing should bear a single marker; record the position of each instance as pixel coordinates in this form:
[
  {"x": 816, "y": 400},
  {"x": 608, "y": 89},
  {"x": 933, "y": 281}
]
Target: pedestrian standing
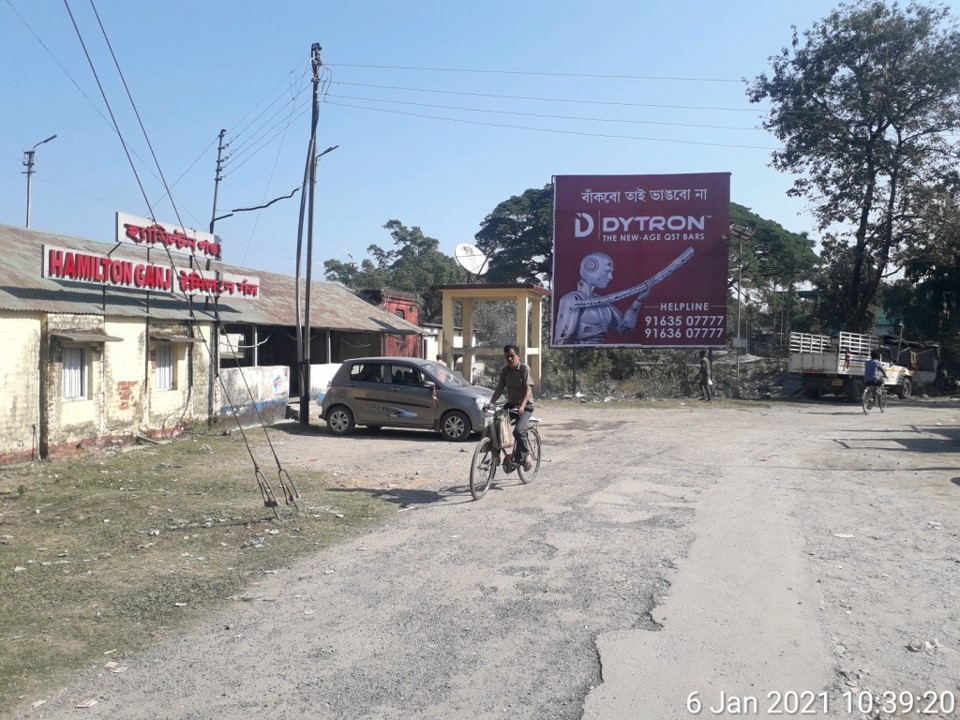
[{"x": 706, "y": 381}]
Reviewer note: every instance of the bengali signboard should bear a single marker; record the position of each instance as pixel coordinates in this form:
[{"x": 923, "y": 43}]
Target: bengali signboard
[
  {"x": 165, "y": 236},
  {"x": 75, "y": 266},
  {"x": 640, "y": 260}
]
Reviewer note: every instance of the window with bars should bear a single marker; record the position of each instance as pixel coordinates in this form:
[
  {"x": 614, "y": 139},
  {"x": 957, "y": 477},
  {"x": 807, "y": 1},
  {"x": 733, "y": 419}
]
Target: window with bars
[
  {"x": 75, "y": 373},
  {"x": 164, "y": 366}
]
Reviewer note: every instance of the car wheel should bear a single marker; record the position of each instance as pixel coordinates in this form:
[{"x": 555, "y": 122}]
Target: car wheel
[
  {"x": 340, "y": 420},
  {"x": 455, "y": 426}
]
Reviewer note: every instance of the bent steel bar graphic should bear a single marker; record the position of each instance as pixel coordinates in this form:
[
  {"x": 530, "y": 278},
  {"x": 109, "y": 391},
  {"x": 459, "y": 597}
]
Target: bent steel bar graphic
[{"x": 643, "y": 287}]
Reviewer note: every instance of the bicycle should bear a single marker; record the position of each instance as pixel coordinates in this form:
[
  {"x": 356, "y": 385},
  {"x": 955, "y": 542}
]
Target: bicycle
[
  {"x": 486, "y": 457},
  {"x": 874, "y": 395}
]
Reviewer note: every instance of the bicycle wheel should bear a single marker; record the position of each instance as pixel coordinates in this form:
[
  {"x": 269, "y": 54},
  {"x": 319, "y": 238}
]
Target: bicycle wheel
[
  {"x": 533, "y": 442},
  {"x": 867, "y": 400},
  {"x": 882, "y": 400},
  {"x": 482, "y": 468}
]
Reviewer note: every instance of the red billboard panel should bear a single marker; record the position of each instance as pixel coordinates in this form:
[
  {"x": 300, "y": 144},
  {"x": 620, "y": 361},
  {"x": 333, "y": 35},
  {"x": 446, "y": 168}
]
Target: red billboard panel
[{"x": 640, "y": 260}]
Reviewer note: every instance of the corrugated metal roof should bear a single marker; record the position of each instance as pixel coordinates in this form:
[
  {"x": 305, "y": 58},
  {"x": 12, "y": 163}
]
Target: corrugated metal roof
[{"x": 22, "y": 288}]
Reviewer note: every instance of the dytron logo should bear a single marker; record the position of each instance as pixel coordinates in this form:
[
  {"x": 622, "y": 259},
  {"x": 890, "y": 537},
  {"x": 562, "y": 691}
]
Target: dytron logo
[{"x": 584, "y": 223}]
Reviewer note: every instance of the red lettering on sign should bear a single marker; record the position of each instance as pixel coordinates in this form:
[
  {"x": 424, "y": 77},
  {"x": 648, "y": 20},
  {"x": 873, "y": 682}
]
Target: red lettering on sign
[{"x": 55, "y": 263}]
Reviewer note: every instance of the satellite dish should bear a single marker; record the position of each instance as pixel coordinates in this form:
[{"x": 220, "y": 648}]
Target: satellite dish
[{"x": 471, "y": 258}]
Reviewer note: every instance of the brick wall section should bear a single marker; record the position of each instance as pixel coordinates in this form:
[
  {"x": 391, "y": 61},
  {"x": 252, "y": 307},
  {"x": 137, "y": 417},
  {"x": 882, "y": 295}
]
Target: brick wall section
[{"x": 125, "y": 393}]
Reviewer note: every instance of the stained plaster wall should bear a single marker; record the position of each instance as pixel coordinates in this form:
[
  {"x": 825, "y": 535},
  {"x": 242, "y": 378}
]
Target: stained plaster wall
[
  {"x": 122, "y": 401},
  {"x": 20, "y": 387},
  {"x": 187, "y": 401}
]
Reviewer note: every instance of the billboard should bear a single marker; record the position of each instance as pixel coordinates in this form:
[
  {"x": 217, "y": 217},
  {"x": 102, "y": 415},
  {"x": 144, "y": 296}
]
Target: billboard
[{"x": 640, "y": 260}]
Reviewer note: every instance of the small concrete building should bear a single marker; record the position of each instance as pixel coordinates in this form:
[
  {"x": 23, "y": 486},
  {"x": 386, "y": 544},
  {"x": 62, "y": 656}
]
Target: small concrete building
[{"x": 101, "y": 343}]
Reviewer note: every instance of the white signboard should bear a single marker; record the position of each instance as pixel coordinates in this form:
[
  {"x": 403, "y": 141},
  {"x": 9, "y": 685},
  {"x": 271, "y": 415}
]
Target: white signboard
[{"x": 185, "y": 241}]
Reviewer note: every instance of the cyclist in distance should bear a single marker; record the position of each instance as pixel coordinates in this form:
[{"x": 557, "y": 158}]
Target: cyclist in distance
[
  {"x": 516, "y": 383},
  {"x": 873, "y": 372}
]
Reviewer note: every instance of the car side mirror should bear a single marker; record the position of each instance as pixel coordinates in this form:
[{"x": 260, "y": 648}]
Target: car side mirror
[{"x": 430, "y": 384}]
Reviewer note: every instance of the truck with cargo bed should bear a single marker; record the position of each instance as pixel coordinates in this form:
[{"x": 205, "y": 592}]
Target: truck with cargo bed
[{"x": 834, "y": 365}]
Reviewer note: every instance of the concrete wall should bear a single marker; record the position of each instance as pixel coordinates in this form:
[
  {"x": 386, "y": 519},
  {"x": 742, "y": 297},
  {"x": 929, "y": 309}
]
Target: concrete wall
[
  {"x": 320, "y": 377},
  {"x": 247, "y": 390},
  {"x": 125, "y": 393},
  {"x": 70, "y": 426},
  {"x": 20, "y": 387},
  {"x": 187, "y": 400},
  {"x": 120, "y": 403}
]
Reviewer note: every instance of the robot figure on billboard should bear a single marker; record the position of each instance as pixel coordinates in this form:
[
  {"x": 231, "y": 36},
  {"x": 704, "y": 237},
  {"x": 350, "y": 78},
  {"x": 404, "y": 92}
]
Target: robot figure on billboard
[
  {"x": 580, "y": 325},
  {"x": 583, "y": 317}
]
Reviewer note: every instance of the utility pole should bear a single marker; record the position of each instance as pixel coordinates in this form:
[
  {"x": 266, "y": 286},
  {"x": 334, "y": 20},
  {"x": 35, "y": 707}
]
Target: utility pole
[
  {"x": 217, "y": 178},
  {"x": 312, "y": 179},
  {"x": 28, "y": 162}
]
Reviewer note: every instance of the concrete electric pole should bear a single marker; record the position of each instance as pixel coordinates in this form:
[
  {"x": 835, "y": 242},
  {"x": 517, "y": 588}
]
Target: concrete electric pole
[{"x": 28, "y": 156}]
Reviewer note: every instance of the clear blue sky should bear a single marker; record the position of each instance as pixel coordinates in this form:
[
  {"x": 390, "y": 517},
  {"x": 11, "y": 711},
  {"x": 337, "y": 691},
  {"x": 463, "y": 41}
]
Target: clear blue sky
[{"x": 515, "y": 96}]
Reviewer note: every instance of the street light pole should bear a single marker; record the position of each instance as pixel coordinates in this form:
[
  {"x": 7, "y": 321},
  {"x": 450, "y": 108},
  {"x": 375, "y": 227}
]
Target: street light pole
[{"x": 28, "y": 162}]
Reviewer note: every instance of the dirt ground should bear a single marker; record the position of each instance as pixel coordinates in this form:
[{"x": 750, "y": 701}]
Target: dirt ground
[{"x": 796, "y": 559}]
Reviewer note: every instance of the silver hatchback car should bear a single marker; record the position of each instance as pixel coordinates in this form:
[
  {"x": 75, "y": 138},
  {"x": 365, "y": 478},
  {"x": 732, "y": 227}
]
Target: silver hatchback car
[{"x": 403, "y": 392}]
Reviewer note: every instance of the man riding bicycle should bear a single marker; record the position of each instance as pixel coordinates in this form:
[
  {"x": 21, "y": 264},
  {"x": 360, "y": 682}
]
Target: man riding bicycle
[
  {"x": 873, "y": 372},
  {"x": 515, "y": 381}
]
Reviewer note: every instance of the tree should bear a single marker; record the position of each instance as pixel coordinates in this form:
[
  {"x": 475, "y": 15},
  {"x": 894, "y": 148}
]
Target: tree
[
  {"x": 927, "y": 298},
  {"x": 770, "y": 259},
  {"x": 865, "y": 103},
  {"x": 415, "y": 266},
  {"x": 772, "y": 255},
  {"x": 518, "y": 238}
]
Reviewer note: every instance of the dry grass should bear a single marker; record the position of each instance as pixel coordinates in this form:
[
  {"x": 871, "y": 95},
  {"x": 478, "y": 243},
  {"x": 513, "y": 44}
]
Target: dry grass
[{"x": 114, "y": 551}]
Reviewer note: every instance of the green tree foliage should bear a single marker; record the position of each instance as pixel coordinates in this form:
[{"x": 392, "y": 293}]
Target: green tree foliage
[
  {"x": 769, "y": 262},
  {"x": 415, "y": 265},
  {"x": 772, "y": 255},
  {"x": 865, "y": 103},
  {"x": 518, "y": 238},
  {"x": 927, "y": 298}
]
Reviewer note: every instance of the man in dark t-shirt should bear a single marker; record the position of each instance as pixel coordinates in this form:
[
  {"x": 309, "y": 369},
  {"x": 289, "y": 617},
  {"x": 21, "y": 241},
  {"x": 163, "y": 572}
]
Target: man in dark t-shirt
[{"x": 515, "y": 382}]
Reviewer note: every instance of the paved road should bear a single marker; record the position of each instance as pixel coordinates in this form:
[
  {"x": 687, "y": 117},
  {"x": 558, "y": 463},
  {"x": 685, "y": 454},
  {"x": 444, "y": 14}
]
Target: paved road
[{"x": 734, "y": 553}]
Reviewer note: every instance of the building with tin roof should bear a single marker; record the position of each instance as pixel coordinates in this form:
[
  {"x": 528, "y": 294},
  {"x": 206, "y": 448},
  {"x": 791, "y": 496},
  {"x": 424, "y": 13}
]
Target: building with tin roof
[{"x": 103, "y": 343}]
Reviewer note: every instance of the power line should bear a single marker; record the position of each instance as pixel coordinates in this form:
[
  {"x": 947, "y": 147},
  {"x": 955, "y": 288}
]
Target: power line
[
  {"x": 290, "y": 72},
  {"x": 103, "y": 94},
  {"x": 264, "y": 130},
  {"x": 546, "y": 99},
  {"x": 76, "y": 84},
  {"x": 302, "y": 110},
  {"x": 543, "y": 115},
  {"x": 593, "y": 76},
  {"x": 58, "y": 63},
  {"x": 136, "y": 112},
  {"x": 555, "y": 131}
]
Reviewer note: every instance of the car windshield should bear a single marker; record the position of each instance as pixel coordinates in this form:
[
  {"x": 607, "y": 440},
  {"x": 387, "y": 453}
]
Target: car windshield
[{"x": 446, "y": 376}]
